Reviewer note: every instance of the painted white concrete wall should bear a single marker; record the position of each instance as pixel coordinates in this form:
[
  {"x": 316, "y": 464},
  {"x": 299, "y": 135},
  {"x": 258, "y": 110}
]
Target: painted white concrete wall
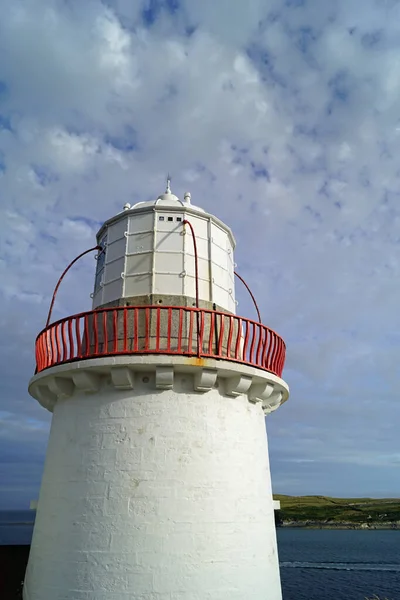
[{"x": 151, "y": 495}]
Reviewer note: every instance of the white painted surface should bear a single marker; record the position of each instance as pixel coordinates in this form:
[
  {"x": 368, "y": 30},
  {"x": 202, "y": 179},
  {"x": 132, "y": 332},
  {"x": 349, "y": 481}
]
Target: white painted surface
[
  {"x": 155, "y": 495},
  {"x": 149, "y": 251},
  {"x": 60, "y": 382}
]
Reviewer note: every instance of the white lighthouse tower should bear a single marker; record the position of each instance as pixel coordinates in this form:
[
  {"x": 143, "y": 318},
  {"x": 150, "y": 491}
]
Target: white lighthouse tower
[{"x": 157, "y": 482}]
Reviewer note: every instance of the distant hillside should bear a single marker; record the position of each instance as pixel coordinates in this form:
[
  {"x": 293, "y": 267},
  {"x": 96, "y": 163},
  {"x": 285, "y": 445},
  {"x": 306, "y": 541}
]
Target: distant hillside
[{"x": 324, "y": 511}]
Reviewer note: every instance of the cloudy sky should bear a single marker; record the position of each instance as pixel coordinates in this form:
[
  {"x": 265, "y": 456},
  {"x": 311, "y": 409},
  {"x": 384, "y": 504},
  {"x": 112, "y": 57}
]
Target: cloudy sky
[{"x": 282, "y": 117}]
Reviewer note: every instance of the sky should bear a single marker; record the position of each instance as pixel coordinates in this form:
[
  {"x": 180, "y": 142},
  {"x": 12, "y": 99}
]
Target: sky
[{"x": 281, "y": 117}]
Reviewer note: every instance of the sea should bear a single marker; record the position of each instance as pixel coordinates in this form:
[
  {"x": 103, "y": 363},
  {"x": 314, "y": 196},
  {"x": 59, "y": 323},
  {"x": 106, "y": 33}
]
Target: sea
[{"x": 315, "y": 564}]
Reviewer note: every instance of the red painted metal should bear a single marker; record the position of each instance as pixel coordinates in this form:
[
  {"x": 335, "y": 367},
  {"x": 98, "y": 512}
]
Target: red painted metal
[
  {"x": 196, "y": 272},
  {"x": 191, "y": 325},
  {"x": 105, "y": 332},
  {"x": 125, "y": 331},
  {"x": 78, "y": 338},
  {"x": 96, "y": 334},
  {"x": 167, "y": 330},
  {"x": 238, "y": 339},
  {"x": 196, "y": 260},
  {"x": 136, "y": 328},
  {"x": 115, "y": 332},
  {"x": 251, "y": 294},
  {"x": 62, "y": 277}
]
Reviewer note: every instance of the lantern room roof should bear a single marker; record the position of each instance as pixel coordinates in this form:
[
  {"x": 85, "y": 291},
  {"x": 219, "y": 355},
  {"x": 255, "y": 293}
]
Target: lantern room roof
[{"x": 166, "y": 200}]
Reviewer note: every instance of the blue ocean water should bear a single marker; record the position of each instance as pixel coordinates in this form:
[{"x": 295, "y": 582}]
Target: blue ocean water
[
  {"x": 316, "y": 564},
  {"x": 16, "y": 527}
]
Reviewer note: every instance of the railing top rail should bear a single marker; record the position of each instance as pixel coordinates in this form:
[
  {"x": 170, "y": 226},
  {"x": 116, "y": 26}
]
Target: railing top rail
[{"x": 158, "y": 307}]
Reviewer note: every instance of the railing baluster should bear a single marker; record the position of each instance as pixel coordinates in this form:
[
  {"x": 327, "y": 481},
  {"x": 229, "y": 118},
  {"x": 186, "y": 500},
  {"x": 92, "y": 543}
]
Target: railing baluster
[
  {"x": 115, "y": 330},
  {"x": 147, "y": 329},
  {"x": 169, "y": 329},
  {"x": 71, "y": 345},
  {"x": 281, "y": 359},
  {"x": 86, "y": 334},
  {"x": 264, "y": 346},
  {"x": 221, "y": 333},
  {"x": 135, "y": 330},
  {"x": 246, "y": 343},
  {"x": 158, "y": 328},
  {"x": 46, "y": 349},
  {"x": 78, "y": 337},
  {"x": 179, "y": 351},
  {"x": 212, "y": 333},
  {"x": 38, "y": 352},
  {"x": 63, "y": 341},
  {"x": 49, "y": 347},
  {"x": 238, "y": 339},
  {"x": 45, "y": 352},
  {"x": 260, "y": 334},
  {"x": 105, "y": 333},
  {"x": 200, "y": 331},
  {"x": 282, "y": 363},
  {"x": 58, "y": 342},
  {"x": 230, "y": 332},
  {"x": 95, "y": 332},
  {"x": 190, "y": 341},
  {"x": 125, "y": 316},
  {"x": 277, "y": 355},
  {"x": 253, "y": 343},
  {"x": 52, "y": 347},
  {"x": 270, "y": 348}
]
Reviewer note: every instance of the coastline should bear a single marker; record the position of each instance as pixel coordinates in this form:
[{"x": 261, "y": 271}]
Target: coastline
[{"x": 340, "y": 526}]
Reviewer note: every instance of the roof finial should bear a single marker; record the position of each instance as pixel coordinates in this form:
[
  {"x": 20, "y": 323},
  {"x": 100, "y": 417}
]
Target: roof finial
[{"x": 168, "y": 190}]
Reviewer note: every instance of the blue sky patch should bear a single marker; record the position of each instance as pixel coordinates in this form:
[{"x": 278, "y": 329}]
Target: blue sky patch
[
  {"x": 305, "y": 37},
  {"x": 259, "y": 171},
  {"x": 264, "y": 61},
  {"x": 5, "y": 122},
  {"x": 127, "y": 142},
  {"x": 154, "y": 8},
  {"x": 340, "y": 86},
  {"x": 295, "y": 3},
  {"x": 44, "y": 175},
  {"x": 373, "y": 39},
  {"x": 190, "y": 30}
]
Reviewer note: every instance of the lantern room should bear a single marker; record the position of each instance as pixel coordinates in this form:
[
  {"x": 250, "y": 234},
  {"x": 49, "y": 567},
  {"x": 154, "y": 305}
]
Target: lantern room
[{"x": 148, "y": 257}]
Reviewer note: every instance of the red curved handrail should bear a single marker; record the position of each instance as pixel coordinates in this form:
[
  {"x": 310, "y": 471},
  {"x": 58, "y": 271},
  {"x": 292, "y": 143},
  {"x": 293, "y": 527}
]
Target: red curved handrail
[
  {"x": 171, "y": 330},
  {"x": 63, "y": 274}
]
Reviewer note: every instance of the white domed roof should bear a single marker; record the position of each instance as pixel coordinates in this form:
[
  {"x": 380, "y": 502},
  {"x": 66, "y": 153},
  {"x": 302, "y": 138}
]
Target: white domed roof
[{"x": 167, "y": 200}]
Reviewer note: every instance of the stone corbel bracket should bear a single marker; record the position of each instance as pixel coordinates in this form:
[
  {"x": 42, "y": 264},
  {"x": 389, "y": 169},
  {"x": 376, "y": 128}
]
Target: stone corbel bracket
[{"x": 89, "y": 376}]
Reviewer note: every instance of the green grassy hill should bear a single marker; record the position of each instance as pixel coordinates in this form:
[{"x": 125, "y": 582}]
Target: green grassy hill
[{"x": 325, "y": 510}]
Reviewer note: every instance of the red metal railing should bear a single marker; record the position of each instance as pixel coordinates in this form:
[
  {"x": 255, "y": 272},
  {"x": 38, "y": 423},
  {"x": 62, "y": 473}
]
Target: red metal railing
[{"x": 186, "y": 331}]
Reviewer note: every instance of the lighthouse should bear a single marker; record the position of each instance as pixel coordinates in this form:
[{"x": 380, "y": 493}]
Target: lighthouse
[{"x": 157, "y": 484}]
